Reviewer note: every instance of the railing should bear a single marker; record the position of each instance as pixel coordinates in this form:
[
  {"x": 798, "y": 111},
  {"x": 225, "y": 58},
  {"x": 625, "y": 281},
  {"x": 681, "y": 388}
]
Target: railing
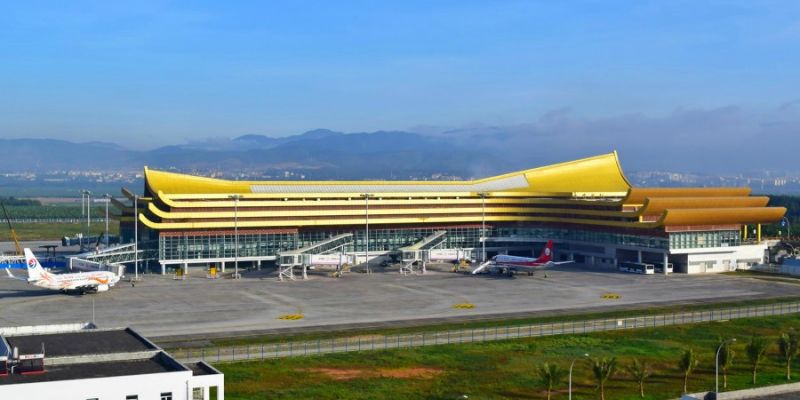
[
  {"x": 66, "y": 220},
  {"x": 399, "y": 341}
]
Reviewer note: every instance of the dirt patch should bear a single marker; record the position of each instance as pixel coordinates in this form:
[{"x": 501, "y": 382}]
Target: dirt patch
[
  {"x": 340, "y": 374},
  {"x": 346, "y": 374},
  {"x": 410, "y": 373}
]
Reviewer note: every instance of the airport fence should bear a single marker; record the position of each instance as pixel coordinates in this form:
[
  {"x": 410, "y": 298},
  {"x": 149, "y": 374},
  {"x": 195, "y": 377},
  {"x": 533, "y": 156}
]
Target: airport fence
[
  {"x": 57, "y": 220},
  {"x": 477, "y": 335}
]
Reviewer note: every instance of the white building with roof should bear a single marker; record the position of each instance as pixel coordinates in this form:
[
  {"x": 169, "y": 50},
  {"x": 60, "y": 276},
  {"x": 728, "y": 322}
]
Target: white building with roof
[{"x": 81, "y": 362}]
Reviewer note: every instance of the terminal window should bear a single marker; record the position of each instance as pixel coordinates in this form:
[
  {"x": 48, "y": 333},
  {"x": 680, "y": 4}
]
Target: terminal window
[{"x": 166, "y": 396}]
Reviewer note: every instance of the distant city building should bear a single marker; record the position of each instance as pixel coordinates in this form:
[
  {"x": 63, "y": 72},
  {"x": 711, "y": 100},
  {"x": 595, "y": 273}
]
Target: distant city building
[
  {"x": 77, "y": 361},
  {"x": 588, "y": 207}
]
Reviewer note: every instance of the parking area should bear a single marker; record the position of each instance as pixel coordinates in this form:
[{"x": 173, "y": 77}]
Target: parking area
[{"x": 161, "y": 306}]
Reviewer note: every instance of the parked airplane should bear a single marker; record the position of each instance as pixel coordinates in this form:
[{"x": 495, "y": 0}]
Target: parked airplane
[
  {"x": 510, "y": 264},
  {"x": 82, "y": 282}
]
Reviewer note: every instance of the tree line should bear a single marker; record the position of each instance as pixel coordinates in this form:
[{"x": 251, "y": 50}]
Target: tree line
[
  {"x": 552, "y": 376},
  {"x": 792, "y": 204},
  {"x": 13, "y": 201}
]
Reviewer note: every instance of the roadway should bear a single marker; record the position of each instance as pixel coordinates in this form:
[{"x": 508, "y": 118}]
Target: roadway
[{"x": 159, "y": 306}]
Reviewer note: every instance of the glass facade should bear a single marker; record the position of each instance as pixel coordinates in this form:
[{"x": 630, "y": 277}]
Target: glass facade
[
  {"x": 586, "y": 236},
  {"x": 188, "y": 247},
  {"x": 699, "y": 240}
]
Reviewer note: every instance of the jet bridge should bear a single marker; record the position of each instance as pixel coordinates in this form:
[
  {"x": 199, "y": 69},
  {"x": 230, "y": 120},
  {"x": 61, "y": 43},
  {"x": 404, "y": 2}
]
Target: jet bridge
[
  {"x": 418, "y": 253},
  {"x": 110, "y": 256},
  {"x": 304, "y": 257}
]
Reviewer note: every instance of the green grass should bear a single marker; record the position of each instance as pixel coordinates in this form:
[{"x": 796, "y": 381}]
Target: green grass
[
  {"x": 47, "y": 231},
  {"x": 647, "y": 310},
  {"x": 497, "y": 370}
]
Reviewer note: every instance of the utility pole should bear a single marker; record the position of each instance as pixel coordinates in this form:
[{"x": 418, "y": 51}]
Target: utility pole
[
  {"x": 236, "y": 198},
  {"x": 136, "y": 236},
  {"x": 88, "y": 195},
  {"x": 483, "y": 226},
  {"x": 108, "y": 200},
  {"x": 366, "y": 219}
]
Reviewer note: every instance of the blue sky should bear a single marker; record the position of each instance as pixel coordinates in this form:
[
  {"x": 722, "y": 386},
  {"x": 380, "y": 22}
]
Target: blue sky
[{"x": 152, "y": 73}]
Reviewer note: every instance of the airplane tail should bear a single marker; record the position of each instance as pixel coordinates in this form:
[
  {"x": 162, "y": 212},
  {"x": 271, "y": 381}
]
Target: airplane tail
[
  {"x": 35, "y": 270},
  {"x": 547, "y": 253}
]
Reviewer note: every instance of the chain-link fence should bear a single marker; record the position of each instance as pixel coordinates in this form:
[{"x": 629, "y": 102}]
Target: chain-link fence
[{"x": 381, "y": 342}]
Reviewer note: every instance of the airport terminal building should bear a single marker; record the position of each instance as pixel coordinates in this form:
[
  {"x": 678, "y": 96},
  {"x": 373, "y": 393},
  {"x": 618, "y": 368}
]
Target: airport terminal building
[{"x": 586, "y": 206}]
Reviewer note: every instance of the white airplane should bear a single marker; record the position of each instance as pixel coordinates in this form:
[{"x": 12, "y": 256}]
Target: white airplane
[
  {"x": 82, "y": 282},
  {"x": 509, "y": 264}
]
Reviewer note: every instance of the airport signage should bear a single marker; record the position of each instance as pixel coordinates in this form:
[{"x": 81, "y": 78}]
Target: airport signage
[
  {"x": 328, "y": 259},
  {"x": 446, "y": 254}
]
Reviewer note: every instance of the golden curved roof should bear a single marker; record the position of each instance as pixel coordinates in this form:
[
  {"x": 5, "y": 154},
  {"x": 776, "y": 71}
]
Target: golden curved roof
[
  {"x": 638, "y": 195},
  {"x": 657, "y": 205},
  {"x": 713, "y": 216},
  {"x": 599, "y": 174},
  {"x": 594, "y": 176},
  {"x": 589, "y": 191}
]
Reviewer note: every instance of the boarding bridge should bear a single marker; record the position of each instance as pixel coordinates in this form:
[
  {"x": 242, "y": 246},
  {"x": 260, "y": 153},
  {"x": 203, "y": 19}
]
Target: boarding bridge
[
  {"x": 12, "y": 261},
  {"x": 419, "y": 252},
  {"x": 288, "y": 260},
  {"x": 125, "y": 253}
]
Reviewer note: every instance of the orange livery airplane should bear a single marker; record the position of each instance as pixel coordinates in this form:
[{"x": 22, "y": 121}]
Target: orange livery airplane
[{"x": 82, "y": 282}]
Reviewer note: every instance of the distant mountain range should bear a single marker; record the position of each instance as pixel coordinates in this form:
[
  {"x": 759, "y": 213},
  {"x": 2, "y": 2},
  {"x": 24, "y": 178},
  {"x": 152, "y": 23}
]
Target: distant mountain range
[
  {"x": 317, "y": 154},
  {"x": 718, "y": 142}
]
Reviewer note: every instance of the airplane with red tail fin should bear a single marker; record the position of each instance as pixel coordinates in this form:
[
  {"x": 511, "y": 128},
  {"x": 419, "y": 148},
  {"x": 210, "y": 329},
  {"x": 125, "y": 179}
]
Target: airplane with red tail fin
[{"x": 509, "y": 264}]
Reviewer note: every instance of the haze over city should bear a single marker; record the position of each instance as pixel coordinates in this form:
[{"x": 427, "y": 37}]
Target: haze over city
[{"x": 552, "y": 81}]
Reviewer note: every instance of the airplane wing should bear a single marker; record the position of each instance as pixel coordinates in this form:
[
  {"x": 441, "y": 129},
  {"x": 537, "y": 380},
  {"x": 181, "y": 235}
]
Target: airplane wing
[
  {"x": 482, "y": 267},
  {"x": 10, "y": 275}
]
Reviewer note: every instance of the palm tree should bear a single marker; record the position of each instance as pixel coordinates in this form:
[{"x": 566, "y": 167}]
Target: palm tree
[
  {"x": 755, "y": 352},
  {"x": 686, "y": 364},
  {"x": 602, "y": 370},
  {"x": 640, "y": 371},
  {"x": 788, "y": 347},
  {"x": 725, "y": 360},
  {"x": 550, "y": 375}
]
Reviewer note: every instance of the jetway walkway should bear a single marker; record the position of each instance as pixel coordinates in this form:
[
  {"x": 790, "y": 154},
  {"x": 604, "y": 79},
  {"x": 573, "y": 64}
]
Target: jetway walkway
[
  {"x": 418, "y": 252},
  {"x": 125, "y": 253},
  {"x": 288, "y": 260}
]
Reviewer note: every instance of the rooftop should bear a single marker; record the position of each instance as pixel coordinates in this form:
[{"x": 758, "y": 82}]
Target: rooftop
[
  {"x": 157, "y": 364},
  {"x": 87, "y": 342}
]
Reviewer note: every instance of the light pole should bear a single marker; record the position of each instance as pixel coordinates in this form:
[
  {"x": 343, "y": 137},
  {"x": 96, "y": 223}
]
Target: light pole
[
  {"x": 788, "y": 227},
  {"x": 236, "y": 198},
  {"x": 88, "y": 212},
  {"x": 716, "y": 363},
  {"x": 483, "y": 226},
  {"x": 108, "y": 200},
  {"x": 88, "y": 195},
  {"x": 570, "y": 374},
  {"x": 366, "y": 219},
  {"x": 136, "y": 236}
]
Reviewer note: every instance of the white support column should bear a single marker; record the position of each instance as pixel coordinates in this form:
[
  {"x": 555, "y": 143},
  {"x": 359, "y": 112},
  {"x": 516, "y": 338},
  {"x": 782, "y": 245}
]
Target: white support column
[
  {"x": 666, "y": 261},
  {"x": 305, "y": 273},
  {"x": 163, "y": 269},
  {"x": 222, "y": 266},
  {"x": 185, "y": 269},
  {"x": 639, "y": 256},
  {"x": 258, "y": 265}
]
